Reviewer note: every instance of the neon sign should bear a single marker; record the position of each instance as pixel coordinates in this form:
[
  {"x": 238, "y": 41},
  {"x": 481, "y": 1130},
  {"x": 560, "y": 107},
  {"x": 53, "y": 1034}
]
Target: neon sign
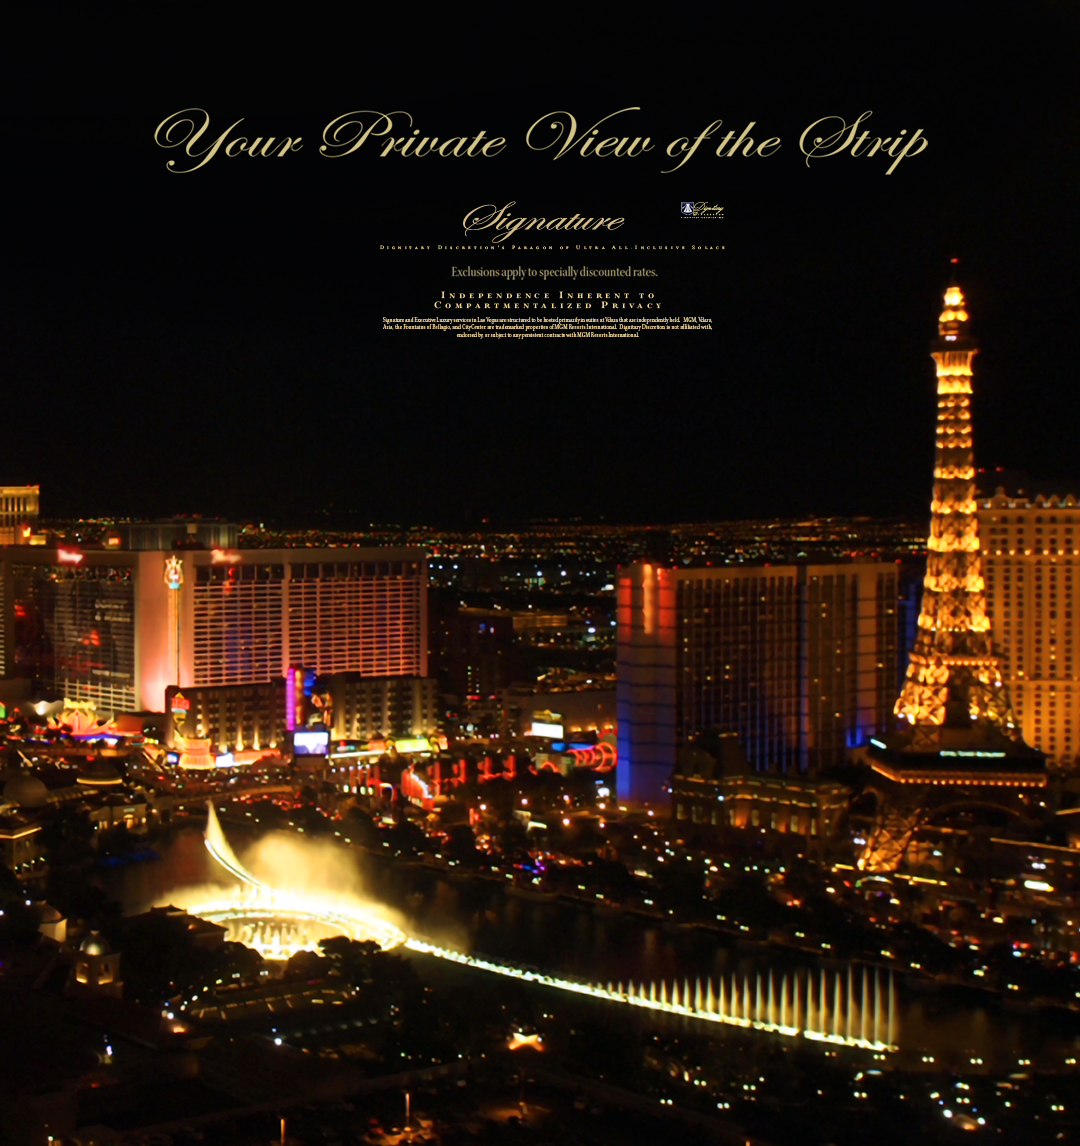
[{"x": 174, "y": 572}]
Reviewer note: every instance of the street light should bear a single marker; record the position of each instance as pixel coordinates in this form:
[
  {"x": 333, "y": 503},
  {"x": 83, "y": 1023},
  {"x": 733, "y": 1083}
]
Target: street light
[{"x": 517, "y": 1040}]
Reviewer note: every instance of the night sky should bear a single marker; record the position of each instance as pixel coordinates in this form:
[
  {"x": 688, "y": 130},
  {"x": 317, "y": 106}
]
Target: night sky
[{"x": 212, "y": 342}]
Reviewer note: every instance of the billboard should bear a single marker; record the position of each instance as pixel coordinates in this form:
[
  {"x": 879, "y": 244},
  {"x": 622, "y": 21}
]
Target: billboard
[
  {"x": 543, "y": 728},
  {"x": 311, "y": 742}
]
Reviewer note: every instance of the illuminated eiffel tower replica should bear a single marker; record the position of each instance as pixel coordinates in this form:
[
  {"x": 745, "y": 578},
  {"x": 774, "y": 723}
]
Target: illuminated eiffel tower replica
[{"x": 958, "y": 745}]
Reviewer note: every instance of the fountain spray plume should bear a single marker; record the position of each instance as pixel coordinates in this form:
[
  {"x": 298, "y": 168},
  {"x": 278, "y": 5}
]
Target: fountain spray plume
[{"x": 280, "y": 922}]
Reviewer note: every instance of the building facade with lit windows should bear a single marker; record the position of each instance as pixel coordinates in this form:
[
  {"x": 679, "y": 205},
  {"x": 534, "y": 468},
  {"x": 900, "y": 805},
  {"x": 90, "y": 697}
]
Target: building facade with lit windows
[
  {"x": 714, "y": 789},
  {"x": 1031, "y": 555},
  {"x": 799, "y": 661},
  {"x": 18, "y": 512},
  {"x": 256, "y": 718},
  {"x": 229, "y": 717},
  {"x": 473, "y": 652},
  {"x": 116, "y": 627},
  {"x": 358, "y": 707}
]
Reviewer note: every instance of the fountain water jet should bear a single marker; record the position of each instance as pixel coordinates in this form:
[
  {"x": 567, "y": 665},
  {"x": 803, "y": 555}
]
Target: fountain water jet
[{"x": 278, "y": 924}]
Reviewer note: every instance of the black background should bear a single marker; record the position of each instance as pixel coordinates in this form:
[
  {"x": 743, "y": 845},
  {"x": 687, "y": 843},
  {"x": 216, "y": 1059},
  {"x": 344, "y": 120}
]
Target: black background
[{"x": 211, "y": 342}]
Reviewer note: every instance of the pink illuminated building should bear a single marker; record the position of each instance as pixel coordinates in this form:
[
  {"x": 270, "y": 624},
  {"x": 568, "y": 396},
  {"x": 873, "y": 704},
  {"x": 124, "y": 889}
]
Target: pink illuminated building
[{"x": 118, "y": 626}]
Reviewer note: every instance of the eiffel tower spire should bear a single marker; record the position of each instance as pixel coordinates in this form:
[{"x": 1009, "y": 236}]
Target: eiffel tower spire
[{"x": 953, "y": 678}]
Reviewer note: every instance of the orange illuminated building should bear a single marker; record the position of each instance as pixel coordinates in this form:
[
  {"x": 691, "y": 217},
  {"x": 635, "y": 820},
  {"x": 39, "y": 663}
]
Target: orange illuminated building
[
  {"x": 1031, "y": 556},
  {"x": 18, "y": 513}
]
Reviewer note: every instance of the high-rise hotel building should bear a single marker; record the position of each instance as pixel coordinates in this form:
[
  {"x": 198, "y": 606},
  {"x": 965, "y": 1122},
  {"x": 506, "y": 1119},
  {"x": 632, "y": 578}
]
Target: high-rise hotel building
[
  {"x": 799, "y": 661},
  {"x": 118, "y": 626},
  {"x": 1031, "y": 557}
]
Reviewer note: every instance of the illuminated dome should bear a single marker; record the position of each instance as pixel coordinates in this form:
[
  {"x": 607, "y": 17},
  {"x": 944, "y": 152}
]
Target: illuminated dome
[
  {"x": 95, "y": 944},
  {"x": 26, "y": 791},
  {"x": 98, "y": 773}
]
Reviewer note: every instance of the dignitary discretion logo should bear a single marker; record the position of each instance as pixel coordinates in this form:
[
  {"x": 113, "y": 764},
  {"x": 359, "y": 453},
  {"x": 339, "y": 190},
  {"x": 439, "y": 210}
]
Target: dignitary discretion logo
[{"x": 700, "y": 210}]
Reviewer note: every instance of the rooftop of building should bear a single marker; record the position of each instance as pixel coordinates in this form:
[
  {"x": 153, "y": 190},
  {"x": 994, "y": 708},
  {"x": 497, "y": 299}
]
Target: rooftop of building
[
  {"x": 718, "y": 756},
  {"x": 978, "y": 754},
  {"x": 94, "y": 554},
  {"x": 1019, "y": 486},
  {"x": 1003, "y": 500}
]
